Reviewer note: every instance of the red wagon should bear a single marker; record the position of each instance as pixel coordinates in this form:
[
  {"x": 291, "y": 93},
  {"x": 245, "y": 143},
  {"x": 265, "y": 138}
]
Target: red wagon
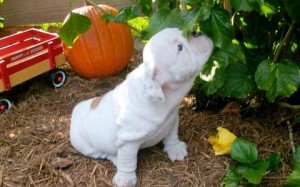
[{"x": 26, "y": 55}]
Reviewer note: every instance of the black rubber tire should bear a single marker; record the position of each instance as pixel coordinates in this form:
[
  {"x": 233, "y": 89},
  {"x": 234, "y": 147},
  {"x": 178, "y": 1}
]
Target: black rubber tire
[
  {"x": 57, "y": 78},
  {"x": 5, "y": 104}
]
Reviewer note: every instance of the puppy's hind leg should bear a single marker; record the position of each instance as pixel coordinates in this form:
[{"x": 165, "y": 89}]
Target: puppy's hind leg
[
  {"x": 113, "y": 159},
  {"x": 83, "y": 146},
  {"x": 79, "y": 138},
  {"x": 175, "y": 148}
]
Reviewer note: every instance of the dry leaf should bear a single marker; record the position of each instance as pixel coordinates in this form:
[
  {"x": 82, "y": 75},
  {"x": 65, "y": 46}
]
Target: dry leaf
[
  {"x": 232, "y": 108},
  {"x": 60, "y": 163}
]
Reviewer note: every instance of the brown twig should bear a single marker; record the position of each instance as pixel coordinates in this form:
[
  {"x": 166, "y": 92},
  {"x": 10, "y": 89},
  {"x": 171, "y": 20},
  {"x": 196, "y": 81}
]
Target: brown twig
[
  {"x": 291, "y": 136},
  {"x": 227, "y": 6}
]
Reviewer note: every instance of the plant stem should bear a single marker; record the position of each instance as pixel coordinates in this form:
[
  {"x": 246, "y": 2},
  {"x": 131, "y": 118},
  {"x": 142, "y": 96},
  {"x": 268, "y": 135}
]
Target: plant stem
[
  {"x": 286, "y": 105},
  {"x": 284, "y": 41}
]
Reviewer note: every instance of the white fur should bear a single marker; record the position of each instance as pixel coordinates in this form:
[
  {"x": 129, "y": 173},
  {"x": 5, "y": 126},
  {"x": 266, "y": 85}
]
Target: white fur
[{"x": 143, "y": 110}]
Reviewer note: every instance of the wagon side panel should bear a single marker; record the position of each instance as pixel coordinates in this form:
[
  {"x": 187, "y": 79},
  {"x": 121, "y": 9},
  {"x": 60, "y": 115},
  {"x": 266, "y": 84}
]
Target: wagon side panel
[
  {"x": 34, "y": 70},
  {"x": 29, "y": 73}
]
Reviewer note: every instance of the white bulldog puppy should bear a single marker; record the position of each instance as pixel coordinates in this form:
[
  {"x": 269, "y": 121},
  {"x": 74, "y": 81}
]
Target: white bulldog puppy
[{"x": 143, "y": 110}]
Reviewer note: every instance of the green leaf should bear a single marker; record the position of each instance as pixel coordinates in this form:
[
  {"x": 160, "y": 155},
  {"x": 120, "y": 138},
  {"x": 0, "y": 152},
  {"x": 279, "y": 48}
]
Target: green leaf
[
  {"x": 218, "y": 27},
  {"x": 232, "y": 178},
  {"x": 274, "y": 161},
  {"x": 278, "y": 78},
  {"x": 1, "y": 22},
  {"x": 74, "y": 25},
  {"x": 270, "y": 7},
  {"x": 242, "y": 168},
  {"x": 296, "y": 159},
  {"x": 243, "y": 151},
  {"x": 213, "y": 76},
  {"x": 232, "y": 53},
  {"x": 146, "y": 6},
  {"x": 255, "y": 174},
  {"x": 292, "y": 7},
  {"x": 239, "y": 82},
  {"x": 124, "y": 15},
  {"x": 293, "y": 180},
  {"x": 164, "y": 18},
  {"x": 214, "y": 71},
  {"x": 191, "y": 17},
  {"x": 244, "y": 5}
]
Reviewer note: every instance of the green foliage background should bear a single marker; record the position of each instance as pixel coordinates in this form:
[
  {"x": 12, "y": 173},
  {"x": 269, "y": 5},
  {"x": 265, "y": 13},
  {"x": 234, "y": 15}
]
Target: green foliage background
[{"x": 256, "y": 42}]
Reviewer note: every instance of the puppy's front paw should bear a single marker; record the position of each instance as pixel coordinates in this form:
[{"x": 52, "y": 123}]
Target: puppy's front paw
[
  {"x": 177, "y": 151},
  {"x": 123, "y": 179}
]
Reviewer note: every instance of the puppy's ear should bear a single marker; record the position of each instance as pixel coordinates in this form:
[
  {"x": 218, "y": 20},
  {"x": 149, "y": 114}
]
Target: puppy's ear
[{"x": 152, "y": 90}]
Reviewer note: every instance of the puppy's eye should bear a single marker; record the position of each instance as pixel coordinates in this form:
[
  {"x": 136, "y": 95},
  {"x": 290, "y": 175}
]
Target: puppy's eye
[{"x": 180, "y": 47}]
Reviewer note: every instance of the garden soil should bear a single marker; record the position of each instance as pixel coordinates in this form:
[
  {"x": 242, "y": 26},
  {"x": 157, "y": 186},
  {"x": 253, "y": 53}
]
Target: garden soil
[{"x": 35, "y": 149}]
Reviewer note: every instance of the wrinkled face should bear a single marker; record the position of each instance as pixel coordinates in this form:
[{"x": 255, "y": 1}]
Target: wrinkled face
[{"x": 173, "y": 58}]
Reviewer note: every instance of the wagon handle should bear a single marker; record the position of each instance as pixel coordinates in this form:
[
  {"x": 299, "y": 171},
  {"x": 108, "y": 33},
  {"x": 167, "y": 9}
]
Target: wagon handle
[
  {"x": 4, "y": 75},
  {"x": 51, "y": 55}
]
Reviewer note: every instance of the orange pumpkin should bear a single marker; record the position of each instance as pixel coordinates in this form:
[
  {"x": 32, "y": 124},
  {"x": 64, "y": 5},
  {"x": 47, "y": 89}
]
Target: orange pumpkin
[{"x": 105, "y": 49}]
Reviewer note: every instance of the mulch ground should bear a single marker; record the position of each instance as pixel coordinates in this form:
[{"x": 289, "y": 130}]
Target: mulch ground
[{"x": 35, "y": 148}]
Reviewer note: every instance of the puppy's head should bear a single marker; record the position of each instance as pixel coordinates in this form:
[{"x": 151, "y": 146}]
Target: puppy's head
[{"x": 169, "y": 57}]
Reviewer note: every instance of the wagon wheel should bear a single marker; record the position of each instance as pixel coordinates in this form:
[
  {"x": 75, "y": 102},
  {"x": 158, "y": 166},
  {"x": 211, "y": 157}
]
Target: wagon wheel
[
  {"x": 5, "y": 104},
  {"x": 57, "y": 78}
]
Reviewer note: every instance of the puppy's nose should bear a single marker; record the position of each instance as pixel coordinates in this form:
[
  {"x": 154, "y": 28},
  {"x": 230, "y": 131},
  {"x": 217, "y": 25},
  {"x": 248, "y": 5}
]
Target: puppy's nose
[{"x": 196, "y": 34}]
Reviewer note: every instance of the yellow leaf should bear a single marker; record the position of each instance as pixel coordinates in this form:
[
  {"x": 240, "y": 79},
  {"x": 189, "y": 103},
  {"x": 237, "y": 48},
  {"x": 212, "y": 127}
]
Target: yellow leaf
[{"x": 222, "y": 141}]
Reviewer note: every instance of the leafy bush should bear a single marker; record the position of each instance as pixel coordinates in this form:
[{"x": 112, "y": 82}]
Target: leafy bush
[
  {"x": 256, "y": 42},
  {"x": 250, "y": 169},
  {"x": 293, "y": 180},
  {"x": 255, "y": 45}
]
